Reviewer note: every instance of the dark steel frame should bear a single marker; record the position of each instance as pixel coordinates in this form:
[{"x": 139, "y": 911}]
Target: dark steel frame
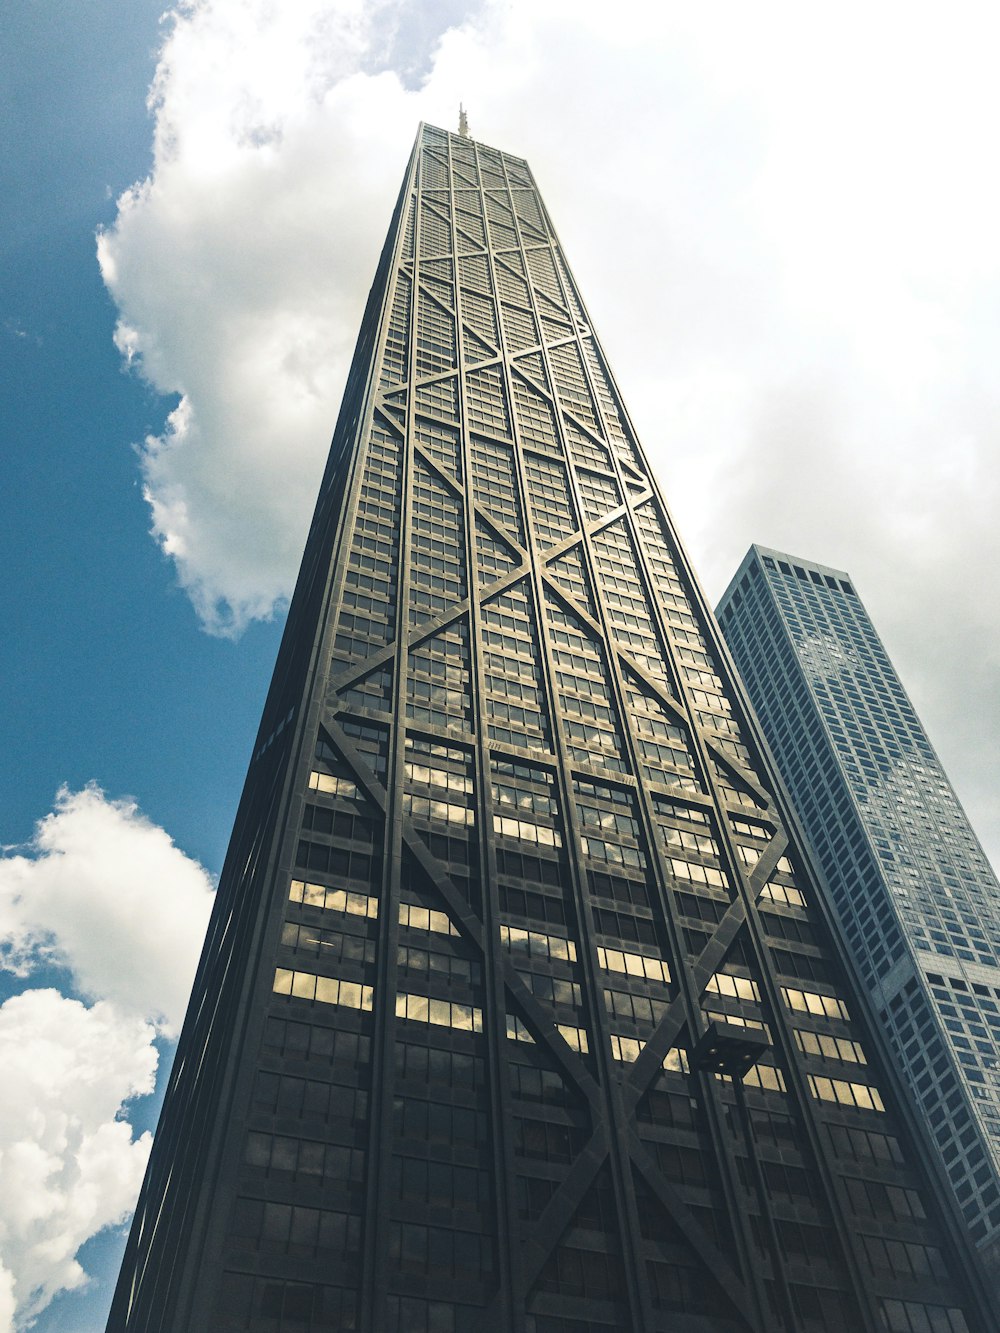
[{"x": 176, "y": 1249}]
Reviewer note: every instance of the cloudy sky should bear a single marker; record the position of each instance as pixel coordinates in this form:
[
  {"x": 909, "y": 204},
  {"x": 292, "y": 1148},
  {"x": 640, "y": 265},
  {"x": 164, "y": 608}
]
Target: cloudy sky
[{"x": 784, "y": 219}]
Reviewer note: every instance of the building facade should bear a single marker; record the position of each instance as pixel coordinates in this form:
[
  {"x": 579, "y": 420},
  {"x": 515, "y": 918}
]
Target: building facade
[
  {"x": 519, "y": 1010},
  {"x": 914, "y": 891}
]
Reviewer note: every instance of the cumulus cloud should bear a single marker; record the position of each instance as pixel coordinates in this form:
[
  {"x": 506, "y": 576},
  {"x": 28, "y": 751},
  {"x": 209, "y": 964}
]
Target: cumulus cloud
[
  {"x": 8, "y": 1300},
  {"x": 103, "y": 893},
  {"x": 802, "y": 313},
  {"x": 270, "y": 169},
  {"x": 69, "y": 1167}
]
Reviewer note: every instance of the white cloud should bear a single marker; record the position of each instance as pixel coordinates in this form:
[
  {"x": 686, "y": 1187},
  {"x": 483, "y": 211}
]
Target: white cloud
[
  {"x": 68, "y": 1166},
  {"x": 802, "y": 312},
  {"x": 107, "y": 894},
  {"x": 8, "y": 1299},
  {"x": 270, "y": 165},
  {"x": 104, "y": 893}
]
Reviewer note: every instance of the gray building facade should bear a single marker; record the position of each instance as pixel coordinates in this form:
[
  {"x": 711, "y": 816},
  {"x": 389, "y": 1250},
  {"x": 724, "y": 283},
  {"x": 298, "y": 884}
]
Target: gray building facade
[{"x": 916, "y": 896}]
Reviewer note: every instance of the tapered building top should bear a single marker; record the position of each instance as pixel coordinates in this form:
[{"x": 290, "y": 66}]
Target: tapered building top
[{"x": 519, "y": 1009}]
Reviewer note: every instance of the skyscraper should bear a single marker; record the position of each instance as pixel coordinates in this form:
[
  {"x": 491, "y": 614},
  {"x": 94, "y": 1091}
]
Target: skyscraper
[
  {"x": 917, "y": 898},
  {"x": 518, "y": 1008}
]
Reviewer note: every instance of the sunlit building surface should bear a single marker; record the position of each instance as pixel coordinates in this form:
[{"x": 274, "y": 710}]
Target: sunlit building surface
[
  {"x": 519, "y": 1009},
  {"x": 917, "y": 898}
]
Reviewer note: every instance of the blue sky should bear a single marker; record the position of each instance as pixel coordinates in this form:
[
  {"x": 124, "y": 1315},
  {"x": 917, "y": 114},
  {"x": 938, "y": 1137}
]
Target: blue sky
[
  {"x": 108, "y": 676},
  {"x": 112, "y": 678},
  {"x": 802, "y": 314}
]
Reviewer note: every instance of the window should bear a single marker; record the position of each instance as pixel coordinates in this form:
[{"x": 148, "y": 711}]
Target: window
[
  {"x": 536, "y": 944},
  {"x": 439, "y": 1252},
  {"x": 633, "y": 964},
  {"x": 846, "y": 1094},
  {"x": 294, "y": 1230},
  {"x": 324, "y": 990},
  {"x": 289, "y": 1158},
  {"x": 440, "y": 1013},
  {"x": 811, "y": 1002},
  {"x": 423, "y": 918},
  {"x": 831, "y": 1048}
]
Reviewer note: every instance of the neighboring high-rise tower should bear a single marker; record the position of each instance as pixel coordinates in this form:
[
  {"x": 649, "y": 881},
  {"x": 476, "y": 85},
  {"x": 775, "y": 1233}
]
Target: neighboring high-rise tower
[
  {"x": 519, "y": 1011},
  {"x": 917, "y": 898}
]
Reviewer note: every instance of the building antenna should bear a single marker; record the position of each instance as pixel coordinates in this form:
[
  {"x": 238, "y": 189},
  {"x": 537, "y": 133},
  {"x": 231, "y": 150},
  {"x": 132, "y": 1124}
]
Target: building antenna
[{"x": 463, "y": 122}]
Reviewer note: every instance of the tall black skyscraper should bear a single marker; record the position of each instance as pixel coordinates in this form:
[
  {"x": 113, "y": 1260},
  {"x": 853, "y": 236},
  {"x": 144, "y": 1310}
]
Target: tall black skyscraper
[
  {"x": 519, "y": 1009},
  {"x": 916, "y": 896}
]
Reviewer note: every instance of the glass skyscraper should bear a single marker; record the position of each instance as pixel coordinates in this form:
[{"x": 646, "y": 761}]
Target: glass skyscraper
[
  {"x": 916, "y": 896},
  {"x": 519, "y": 1010}
]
